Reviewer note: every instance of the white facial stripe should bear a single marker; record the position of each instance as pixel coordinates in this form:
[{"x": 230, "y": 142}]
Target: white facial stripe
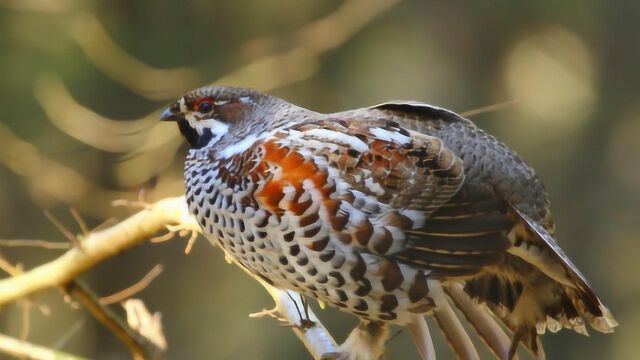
[
  {"x": 218, "y": 129},
  {"x": 216, "y": 126}
]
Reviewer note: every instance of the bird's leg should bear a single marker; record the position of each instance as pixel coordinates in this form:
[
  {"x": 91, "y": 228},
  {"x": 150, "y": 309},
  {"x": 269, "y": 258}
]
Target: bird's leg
[
  {"x": 366, "y": 342},
  {"x": 305, "y": 322}
]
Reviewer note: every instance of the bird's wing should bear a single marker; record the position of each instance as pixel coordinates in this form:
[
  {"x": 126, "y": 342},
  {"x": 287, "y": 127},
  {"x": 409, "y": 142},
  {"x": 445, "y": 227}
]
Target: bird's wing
[
  {"x": 501, "y": 190},
  {"x": 503, "y": 204},
  {"x": 401, "y": 168},
  {"x": 487, "y": 161}
]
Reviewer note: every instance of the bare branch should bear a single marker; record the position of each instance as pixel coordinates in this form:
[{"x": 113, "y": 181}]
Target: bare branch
[
  {"x": 80, "y": 221},
  {"x": 12, "y": 270},
  {"x": 25, "y": 318},
  {"x": 95, "y": 248},
  {"x": 108, "y": 242},
  {"x": 69, "y": 334},
  {"x": 139, "y": 347},
  {"x": 8, "y": 267},
  {"x": 66, "y": 232},
  {"x": 24, "y": 350},
  {"x": 133, "y": 289},
  {"x": 50, "y": 245}
]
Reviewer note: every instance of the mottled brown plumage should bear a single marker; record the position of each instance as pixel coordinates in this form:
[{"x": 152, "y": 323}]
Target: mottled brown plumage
[{"x": 385, "y": 212}]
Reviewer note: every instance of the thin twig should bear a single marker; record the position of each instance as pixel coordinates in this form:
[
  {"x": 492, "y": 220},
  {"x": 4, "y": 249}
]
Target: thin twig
[
  {"x": 12, "y": 270},
  {"x": 133, "y": 289},
  {"x": 25, "y": 319},
  {"x": 191, "y": 242},
  {"x": 97, "y": 247},
  {"x": 23, "y": 349},
  {"x": 138, "y": 346},
  {"x": 49, "y": 245},
  {"x": 105, "y": 224},
  {"x": 490, "y": 108},
  {"x": 8, "y": 267},
  {"x": 79, "y": 220},
  {"x": 69, "y": 334},
  {"x": 66, "y": 232}
]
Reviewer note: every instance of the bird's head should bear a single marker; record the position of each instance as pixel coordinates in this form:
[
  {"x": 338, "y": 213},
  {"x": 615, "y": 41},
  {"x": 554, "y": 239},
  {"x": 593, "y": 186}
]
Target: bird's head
[{"x": 205, "y": 115}]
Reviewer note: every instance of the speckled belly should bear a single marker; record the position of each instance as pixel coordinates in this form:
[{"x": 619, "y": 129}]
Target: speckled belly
[{"x": 300, "y": 252}]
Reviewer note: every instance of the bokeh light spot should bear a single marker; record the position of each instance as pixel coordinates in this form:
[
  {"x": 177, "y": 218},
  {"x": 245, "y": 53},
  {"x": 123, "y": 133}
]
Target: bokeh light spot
[{"x": 551, "y": 73}]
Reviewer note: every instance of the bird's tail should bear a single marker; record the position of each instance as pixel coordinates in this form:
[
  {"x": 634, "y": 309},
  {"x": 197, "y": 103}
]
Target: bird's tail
[
  {"x": 477, "y": 314},
  {"x": 529, "y": 302},
  {"x": 522, "y": 298}
]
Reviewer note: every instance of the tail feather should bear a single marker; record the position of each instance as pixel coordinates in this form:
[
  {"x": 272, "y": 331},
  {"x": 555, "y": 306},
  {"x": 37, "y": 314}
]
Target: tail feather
[
  {"x": 421, "y": 337},
  {"x": 536, "y": 246},
  {"x": 450, "y": 324},
  {"x": 479, "y": 317}
]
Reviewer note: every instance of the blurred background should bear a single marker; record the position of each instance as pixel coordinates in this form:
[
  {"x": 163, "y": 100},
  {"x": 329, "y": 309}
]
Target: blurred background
[{"x": 82, "y": 84}]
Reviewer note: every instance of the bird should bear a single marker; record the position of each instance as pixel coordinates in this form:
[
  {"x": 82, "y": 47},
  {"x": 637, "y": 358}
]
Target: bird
[{"x": 391, "y": 213}]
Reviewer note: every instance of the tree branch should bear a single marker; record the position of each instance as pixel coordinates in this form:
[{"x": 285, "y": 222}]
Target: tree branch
[
  {"x": 103, "y": 244},
  {"x": 95, "y": 248},
  {"x": 24, "y": 350}
]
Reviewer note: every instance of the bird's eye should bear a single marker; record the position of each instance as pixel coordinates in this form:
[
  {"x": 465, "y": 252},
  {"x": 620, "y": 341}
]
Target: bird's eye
[{"x": 205, "y": 107}]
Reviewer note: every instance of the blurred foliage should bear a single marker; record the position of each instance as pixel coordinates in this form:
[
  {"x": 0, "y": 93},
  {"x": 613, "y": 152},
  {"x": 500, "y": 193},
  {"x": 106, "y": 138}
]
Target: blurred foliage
[{"x": 69, "y": 67}]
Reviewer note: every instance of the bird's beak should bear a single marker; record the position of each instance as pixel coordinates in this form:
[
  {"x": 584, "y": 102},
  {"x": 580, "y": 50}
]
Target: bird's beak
[{"x": 169, "y": 115}]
